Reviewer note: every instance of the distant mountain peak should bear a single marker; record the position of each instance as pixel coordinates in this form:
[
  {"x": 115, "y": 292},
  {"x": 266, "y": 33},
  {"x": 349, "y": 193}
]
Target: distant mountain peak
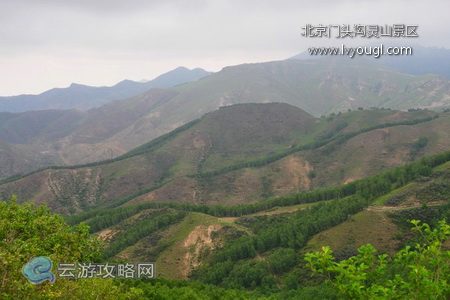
[
  {"x": 77, "y": 86},
  {"x": 83, "y": 97},
  {"x": 181, "y": 68}
]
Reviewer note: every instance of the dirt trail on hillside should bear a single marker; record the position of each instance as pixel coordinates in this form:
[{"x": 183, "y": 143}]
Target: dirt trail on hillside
[{"x": 401, "y": 206}]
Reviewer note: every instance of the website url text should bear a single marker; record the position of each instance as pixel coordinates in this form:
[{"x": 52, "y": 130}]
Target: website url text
[{"x": 375, "y": 51}]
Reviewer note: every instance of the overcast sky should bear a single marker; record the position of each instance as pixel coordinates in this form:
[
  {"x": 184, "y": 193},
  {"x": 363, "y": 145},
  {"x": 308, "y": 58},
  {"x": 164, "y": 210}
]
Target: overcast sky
[{"x": 52, "y": 43}]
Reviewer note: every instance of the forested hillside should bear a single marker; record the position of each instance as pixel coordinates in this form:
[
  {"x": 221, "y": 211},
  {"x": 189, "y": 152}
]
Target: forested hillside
[{"x": 258, "y": 253}]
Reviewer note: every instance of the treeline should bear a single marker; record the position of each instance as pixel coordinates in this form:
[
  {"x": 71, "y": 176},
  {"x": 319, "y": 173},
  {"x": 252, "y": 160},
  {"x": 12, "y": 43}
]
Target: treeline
[
  {"x": 113, "y": 217},
  {"x": 152, "y": 145},
  {"x": 146, "y": 148},
  {"x": 369, "y": 188},
  {"x": 333, "y": 131},
  {"x": 337, "y": 140},
  {"x": 142, "y": 229},
  {"x": 278, "y": 233}
]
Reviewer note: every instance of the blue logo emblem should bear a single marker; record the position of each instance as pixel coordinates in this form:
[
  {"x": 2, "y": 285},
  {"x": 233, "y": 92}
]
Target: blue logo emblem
[{"x": 38, "y": 270}]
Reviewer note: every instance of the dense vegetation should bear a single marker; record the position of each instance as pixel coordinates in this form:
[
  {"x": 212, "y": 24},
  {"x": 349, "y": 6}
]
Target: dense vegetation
[
  {"x": 282, "y": 232},
  {"x": 141, "y": 228},
  {"x": 418, "y": 272},
  {"x": 26, "y": 232},
  {"x": 369, "y": 188}
]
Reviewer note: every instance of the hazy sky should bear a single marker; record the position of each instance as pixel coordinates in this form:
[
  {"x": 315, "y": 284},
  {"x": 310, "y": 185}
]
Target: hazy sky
[{"x": 52, "y": 43}]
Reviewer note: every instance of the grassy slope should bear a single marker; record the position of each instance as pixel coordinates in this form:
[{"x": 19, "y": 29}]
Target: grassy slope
[
  {"x": 374, "y": 224},
  {"x": 369, "y": 226}
]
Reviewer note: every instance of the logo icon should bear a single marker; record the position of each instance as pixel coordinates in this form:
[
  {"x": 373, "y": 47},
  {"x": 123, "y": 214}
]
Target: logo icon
[{"x": 38, "y": 270}]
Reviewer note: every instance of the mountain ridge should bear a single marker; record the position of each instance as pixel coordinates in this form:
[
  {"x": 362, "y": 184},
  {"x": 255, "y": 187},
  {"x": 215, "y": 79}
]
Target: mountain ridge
[{"x": 83, "y": 97}]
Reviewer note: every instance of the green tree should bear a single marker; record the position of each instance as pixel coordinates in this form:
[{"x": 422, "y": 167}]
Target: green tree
[
  {"x": 25, "y": 233},
  {"x": 282, "y": 260},
  {"x": 420, "y": 272}
]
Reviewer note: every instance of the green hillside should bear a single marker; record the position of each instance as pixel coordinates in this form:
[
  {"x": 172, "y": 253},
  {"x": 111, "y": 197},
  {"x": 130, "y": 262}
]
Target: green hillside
[
  {"x": 261, "y": 247},
  {"x": 240, "y": 154}
]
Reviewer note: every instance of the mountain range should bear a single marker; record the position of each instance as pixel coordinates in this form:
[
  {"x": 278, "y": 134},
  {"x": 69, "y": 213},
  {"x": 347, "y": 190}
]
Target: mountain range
[
  {"x": 319, "y": 87},
  {"x": 83, "y": 97}
]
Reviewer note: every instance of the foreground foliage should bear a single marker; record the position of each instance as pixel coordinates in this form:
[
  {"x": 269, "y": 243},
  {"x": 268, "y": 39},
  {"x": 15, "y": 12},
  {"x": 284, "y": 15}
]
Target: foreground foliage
[
  {"x": 27, "y": 232},
  {"x": 419, "y": 272}
]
